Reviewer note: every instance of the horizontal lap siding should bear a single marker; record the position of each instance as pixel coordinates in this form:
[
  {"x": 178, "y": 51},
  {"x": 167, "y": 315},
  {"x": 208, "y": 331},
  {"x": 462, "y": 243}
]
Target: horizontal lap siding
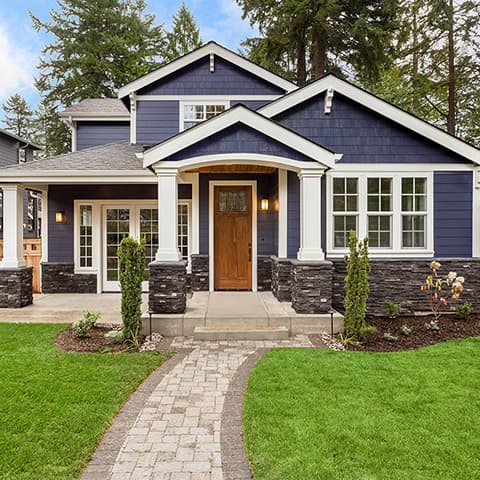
[
  {"x": 453, "y": 197},
  {"x": 93, "y": 134},
  {"x": 267, "y": 222},
  {"x": 8, "y": 151},
  {"x": 361, "y": 135},
  {"x": 196, "y": 79},
  {"x": 293, "y": 215},
  {"x": 61, "y": 198},
  {"x": 156, "y": 121},
  {"x": 239, "y": 139},
  {"x": 251, "y": 104}
]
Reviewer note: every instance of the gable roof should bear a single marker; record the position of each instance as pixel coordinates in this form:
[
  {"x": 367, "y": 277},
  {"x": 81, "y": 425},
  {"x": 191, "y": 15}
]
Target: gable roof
[
  {"x": 239, "y": 115},
  {"x": 20, "y": 139},
  {"x": 203, "y": 51},
  {"x": 372, "y": 102},
  {"x": 101, "y": 107}
]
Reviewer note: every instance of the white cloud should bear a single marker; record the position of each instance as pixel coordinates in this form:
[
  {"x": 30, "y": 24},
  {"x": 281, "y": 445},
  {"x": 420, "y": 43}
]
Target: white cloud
[{"x": 17, "y": 66}]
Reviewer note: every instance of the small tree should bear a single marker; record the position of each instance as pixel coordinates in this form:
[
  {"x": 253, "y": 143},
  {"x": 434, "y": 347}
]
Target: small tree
[
  {"x": 131, "y": 267},
  {"x": 356, "y": 287}
]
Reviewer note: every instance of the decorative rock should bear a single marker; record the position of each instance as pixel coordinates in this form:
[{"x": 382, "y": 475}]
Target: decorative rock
[
  {"x": 168, "y": 287},
  {"x": 199, "y": 276},
  {"x": 16, "y": 287},
  {"x": 311, "y": 286},
  {"x": 281, "y": 279},
  {"x": 332, "y": 343},
  {"x": 114, "y": 336},
  {"x": 151, "y": 344},
  {"x": 264, "y": 273},
  {"x": 61, "y": 278}
]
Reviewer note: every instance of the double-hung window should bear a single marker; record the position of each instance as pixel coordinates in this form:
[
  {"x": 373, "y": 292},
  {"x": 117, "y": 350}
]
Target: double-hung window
[
  {"x": 414, "y": 212},
  {"x": 345, "y": 209},
  {"x": 193, "y": 113},
  {"x": 380, "y": 209}
]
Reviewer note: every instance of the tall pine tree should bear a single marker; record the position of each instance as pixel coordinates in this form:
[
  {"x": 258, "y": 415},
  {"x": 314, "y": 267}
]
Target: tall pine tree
[{"x": 19, "y": 117}]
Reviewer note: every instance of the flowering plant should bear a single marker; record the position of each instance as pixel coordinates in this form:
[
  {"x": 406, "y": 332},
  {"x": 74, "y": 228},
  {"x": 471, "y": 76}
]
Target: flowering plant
[{"x": 440, "y": 291}]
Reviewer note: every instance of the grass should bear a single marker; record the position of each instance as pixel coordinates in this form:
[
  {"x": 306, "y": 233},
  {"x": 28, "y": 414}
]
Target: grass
[
  {"x": 55, "y": 406},
  {"x": 318, "y": 414}
]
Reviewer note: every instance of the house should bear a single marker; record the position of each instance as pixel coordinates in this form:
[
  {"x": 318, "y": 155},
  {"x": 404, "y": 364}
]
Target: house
[{"x": 239, "y": 180}]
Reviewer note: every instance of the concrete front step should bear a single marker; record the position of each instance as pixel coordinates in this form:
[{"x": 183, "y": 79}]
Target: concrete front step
[{"x": 240, "y": 333}]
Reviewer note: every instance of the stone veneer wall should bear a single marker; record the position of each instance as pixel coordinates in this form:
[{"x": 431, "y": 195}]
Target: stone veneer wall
[
  {"x": 61, "y": 278},
  {"x": 281, "y": 279},
  {"x": 167, "y": 287},
  {"x": 199, "y": 275},
  {"x": 311, "y": 286},
  {"x": 16, "y": 287},
  {"x": 264, "y": 273},
  {"x": 399, "y": 281}
]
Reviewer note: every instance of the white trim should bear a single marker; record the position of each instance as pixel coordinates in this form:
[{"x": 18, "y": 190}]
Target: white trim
[
  {"x": 202, "y": 52},
  {"x": 202, "y": 98},
  {"x": 328, "y": 100},
  {"x": 240, "y": 114},
  {"x": 91, "y": 117},
  {"x": 282, "y": 212},
  {"x": 377, "y": 105},
  {"x": 208, "y": 101},
  {"x": 476, "y": 214},
  {"x": 133, "y": 118},
  {"x": 74, "y": 131},
  {"x": 396, "y": 250},
  {"x": 44, "y": 226},
  {"x": 193, "y": 179},
  {"x": 78, "y": 176},
  {"x": 402, "y": 167},
  {"x": 211, "y": 243}
]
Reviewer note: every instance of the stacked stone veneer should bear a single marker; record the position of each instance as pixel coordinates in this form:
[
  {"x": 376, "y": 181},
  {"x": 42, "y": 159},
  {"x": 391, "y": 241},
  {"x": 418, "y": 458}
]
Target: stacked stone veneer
[
  {"x": 168, "y": 287},
  {"x": 61, "y": 278},
  {"x": 281, "y": 279},
  {"x": 264, "y": 273},
  {"x": 400, "y": 280},
  {"x": 311, "y": 286},
  {"x": 199, "y": 275},
  {"x": 16, "y": 287}
]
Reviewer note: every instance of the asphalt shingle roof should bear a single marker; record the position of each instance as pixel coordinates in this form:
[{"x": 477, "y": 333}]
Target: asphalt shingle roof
[{"x": 97, "y": 106}]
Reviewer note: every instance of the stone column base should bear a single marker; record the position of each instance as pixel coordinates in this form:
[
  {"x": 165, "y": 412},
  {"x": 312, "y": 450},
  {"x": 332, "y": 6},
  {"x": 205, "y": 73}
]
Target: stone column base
[
  {"x": 200, "y": 269},
  {"x": 264, "y": 273},
  {"x": 281, "y": 279},
  {"x": 16, "y": 287},
  {"x": 167, "y": 285},
  {"x": 61, "y": 278},
  {"x": 311, "y": 286}
]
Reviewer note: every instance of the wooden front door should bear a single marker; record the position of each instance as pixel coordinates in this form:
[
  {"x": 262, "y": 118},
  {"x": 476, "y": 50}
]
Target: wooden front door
[{"x": 233, "y": 237}]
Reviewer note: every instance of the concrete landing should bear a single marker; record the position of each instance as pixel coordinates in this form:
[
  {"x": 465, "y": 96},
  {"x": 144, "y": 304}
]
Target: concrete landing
[{"x": 240, "y": 333}]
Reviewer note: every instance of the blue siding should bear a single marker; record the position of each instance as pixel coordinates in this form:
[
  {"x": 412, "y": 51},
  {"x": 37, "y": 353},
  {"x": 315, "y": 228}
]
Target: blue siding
[
  {"x": 251, "y": 104},
  {"x": 61, "y": 197},
  {"x": 453, "y": 197},
  {"x": 156, "y": 121},
  {"x": 362, "y": 135},
  {"x": 93, "y": 134},
  {"x": 267, "y": 222},
  {"x": 239, "y": 139},
  {"x": 196, "y": 79},
  {"x": 293, "y": 215}
]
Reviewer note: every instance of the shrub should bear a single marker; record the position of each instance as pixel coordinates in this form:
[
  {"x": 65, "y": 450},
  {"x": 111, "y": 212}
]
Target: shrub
[
  {"x": 131, "y": 266},
  {"x": 368, "y": 333},
  {"x": 82, "y": 328},
  {"x": 464, "y": 310},
  {"x": 356, "y": 287},
  {"x": 440, "y": 291},
  {"x": 390, "y": 309}
]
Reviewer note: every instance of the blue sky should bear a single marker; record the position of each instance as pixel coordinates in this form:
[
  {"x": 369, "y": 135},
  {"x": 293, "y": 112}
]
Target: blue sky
[{"x": 20, "y": 45}]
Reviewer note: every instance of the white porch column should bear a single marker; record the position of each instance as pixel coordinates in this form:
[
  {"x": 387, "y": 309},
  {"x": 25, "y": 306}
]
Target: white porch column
[
  {"x": 167, "y": 215},
  {"x": 310, "y": 215},
  {"x": 12, "y": 226}
]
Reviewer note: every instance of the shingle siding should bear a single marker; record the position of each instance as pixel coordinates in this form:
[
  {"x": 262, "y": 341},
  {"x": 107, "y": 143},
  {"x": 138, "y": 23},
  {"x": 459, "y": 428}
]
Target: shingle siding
[
  {"x": 196, "y": 79},
  {"x": 362, "y": 135},
  {"x": 453, "y": 197},
  {"x": 156, "y": 121},
  {"x": 8, "y": 151},
  {"x": 93, "y": 134}
]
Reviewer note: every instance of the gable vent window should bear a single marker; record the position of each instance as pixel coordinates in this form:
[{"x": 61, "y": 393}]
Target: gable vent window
[
  {"x": 22, "y": 155},
  {"x": 195, "y": 113}
]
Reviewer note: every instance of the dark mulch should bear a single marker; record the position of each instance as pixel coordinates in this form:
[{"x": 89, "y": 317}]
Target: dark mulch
[
  {"x": 451, "y": 327},
  {"x": 94, "y": 343}
]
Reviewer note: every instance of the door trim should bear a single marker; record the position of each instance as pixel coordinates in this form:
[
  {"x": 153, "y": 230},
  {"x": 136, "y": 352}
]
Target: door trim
[{"x": 211, "y": 233}]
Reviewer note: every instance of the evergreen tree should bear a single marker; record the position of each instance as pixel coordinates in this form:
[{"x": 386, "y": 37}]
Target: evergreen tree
[
  {"x": 52, "y": 133},
  {"x": 185, "y": 36},
  {"x": 19, "y": 117}
]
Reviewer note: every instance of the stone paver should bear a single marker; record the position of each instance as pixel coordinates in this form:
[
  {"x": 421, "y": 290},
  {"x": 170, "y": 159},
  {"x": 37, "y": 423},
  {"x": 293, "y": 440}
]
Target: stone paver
[{"x": 177, "y": 432}]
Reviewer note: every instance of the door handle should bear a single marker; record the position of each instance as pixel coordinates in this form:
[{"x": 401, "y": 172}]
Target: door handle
[{"x": 249, "y": 252}]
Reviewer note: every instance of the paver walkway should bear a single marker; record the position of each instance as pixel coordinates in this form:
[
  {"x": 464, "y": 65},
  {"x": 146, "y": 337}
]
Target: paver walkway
[{"x": 177, "y": 432}]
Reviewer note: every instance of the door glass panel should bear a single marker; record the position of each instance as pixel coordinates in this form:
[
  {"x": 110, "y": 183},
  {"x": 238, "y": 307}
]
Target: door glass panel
[
  {"x": 118, "y": 227},
  {"x": 232, "y": 201},
  {"x": 149, "y": 234}
]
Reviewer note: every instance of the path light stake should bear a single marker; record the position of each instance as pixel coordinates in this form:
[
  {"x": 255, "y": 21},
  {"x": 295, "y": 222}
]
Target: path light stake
[
  {"x": 331, "y": 311},
  {"x": 150, "y": 313}
]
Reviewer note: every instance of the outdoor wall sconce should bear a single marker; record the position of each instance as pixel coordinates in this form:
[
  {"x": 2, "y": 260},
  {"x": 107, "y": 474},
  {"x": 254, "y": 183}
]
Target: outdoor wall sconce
[
  {"x": 60, "y": 217},
  {"x": 264, "y": 204}
]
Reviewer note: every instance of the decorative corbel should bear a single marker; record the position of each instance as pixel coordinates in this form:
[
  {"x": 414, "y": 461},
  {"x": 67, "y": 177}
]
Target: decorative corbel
[
  {"x": 212, "y": 62},
  {"x": 328, "y": 100}
]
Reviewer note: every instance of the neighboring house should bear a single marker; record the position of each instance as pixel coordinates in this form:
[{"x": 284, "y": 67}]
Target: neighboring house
[
  {"x": 15, "y": 150},
  {"x": 240, "y": 180}
]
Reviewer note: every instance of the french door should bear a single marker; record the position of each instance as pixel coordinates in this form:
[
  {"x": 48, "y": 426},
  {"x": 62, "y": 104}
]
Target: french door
[{"x": 120, "y": 221}]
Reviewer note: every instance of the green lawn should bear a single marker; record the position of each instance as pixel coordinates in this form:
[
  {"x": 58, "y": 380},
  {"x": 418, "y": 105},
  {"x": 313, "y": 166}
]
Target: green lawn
[
  {"x": 55, "y": 406},
  {"x": 319, "y": 414}
]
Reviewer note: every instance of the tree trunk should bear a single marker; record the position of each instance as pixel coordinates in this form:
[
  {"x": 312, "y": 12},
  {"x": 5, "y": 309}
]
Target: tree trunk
[
  {"x": 414, "y": 56},
  {"x": 319, "y": 51},
  {"x": 451, "y": 116},
  {"x": 301, "y": 63}
]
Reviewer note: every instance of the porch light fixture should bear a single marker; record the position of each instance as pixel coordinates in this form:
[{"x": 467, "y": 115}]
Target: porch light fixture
[
  {"x": 264, "y": 204},
  {"x": 60, "y": 217}
]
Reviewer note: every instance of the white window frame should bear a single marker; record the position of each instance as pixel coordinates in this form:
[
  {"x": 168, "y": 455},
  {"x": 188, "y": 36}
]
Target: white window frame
[
  {"x": 396, "y": 249},
  {"x": 346, "y": 213},
  {"x": 188, "y": 202},
  {"x": 183, "y": 103}
]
